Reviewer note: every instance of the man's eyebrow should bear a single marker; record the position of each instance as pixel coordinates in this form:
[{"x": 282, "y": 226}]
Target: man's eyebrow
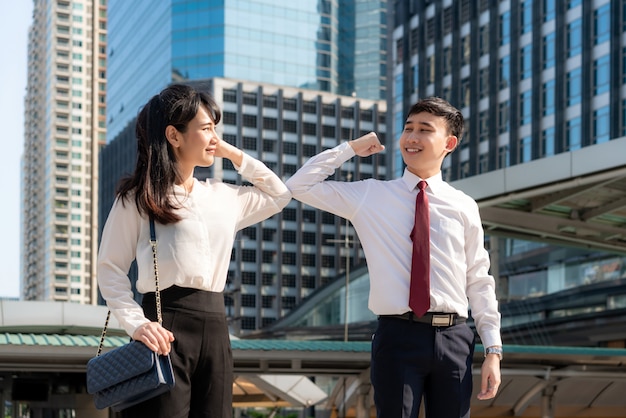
[{"x": 417, "y": 122}]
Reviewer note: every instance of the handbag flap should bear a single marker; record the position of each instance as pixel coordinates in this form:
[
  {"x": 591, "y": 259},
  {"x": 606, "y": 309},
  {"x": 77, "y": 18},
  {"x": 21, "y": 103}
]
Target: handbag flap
[{"x": 118, "y": 365}]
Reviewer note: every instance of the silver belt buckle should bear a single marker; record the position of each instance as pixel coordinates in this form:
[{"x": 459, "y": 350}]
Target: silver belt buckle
[{"x": 441, "y": 320}]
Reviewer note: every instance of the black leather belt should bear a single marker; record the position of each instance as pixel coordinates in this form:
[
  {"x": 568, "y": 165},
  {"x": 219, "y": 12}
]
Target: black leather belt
[{"x": 436, "y": 319}]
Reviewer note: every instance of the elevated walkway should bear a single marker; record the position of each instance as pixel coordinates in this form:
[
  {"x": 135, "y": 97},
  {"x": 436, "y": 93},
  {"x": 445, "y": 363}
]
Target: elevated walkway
[
  {"x": 576, "y": 198},
  {"x": 537, "y": 380}
]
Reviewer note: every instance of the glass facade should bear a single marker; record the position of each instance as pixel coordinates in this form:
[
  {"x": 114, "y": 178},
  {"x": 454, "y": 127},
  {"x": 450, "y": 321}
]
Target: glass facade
[{"x": 296, "y": 44}]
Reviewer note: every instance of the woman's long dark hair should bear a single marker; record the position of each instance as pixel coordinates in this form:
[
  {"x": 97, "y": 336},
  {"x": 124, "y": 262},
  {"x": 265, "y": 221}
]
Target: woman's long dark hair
[{"x": 155, "y": 172}]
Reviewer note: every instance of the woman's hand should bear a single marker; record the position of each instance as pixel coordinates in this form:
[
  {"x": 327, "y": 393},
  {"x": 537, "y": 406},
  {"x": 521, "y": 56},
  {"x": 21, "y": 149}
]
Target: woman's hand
[
  {"x": 225, "y": 150},
  {"x": 155, "y": 337}
]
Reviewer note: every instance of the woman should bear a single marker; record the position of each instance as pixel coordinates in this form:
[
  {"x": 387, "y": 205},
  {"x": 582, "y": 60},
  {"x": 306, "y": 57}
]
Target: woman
[{"x": 196, "y": 224}]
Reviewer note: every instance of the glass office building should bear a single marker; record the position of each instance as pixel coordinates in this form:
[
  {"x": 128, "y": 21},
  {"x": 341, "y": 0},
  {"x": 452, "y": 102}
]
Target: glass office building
[
  {"x": 331, "y": 46},
  {"x": 534, "y": 79}
]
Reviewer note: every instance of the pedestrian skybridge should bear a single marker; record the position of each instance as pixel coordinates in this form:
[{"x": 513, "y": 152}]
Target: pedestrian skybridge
[
  {"x": 44, "y": 348},
  {"x": 575, "y": 198}
]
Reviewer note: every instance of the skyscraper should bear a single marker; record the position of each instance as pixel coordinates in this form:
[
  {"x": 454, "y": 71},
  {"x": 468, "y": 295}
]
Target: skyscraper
[
  {"x": 332, "y": 46},
  {"x": 287, "y": 90},
  {"x": 535, "y": 79},
  {"x": 64, "y": 128}
]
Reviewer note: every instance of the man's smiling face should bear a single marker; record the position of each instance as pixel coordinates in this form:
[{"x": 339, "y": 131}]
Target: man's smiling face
[{"x": 424, "y": 143}]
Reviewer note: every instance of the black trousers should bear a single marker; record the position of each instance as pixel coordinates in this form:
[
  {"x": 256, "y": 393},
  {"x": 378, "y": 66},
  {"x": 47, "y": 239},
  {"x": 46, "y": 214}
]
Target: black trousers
[
  {"x": 201, "y": 356},
  {"x": 411, "y": 360}
]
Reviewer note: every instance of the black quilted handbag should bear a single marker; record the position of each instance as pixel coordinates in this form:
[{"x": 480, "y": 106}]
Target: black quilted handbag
[{"x": 133, "y": 373}]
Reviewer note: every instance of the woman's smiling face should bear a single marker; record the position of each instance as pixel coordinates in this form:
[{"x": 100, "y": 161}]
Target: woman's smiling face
[{"x": 424, "y": 143}]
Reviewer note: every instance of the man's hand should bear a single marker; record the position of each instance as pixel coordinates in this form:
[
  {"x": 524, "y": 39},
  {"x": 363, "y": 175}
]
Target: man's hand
[
  {"x": 366, "y": 145},
  {"x": 490, "y": 377},
  {"x": 155, "y": 337}
]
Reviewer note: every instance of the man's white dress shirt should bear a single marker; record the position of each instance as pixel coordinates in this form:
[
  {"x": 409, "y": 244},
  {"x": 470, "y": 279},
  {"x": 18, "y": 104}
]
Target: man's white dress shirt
[{"x": 382, "y": 213}]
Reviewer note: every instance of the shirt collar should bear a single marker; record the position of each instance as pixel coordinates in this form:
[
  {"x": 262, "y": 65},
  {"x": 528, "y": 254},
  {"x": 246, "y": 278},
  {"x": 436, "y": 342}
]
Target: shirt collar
[{"x": 434, "y": 183}]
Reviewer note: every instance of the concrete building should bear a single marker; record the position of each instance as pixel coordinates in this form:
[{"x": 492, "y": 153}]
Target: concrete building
[{"x": 64, "y": 128}]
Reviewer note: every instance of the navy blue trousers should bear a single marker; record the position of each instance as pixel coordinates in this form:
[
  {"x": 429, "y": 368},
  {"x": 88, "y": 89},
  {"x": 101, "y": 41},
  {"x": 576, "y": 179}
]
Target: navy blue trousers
[
  {"x": 411, "y": 360},
  {"x": 201, "y": 356}
]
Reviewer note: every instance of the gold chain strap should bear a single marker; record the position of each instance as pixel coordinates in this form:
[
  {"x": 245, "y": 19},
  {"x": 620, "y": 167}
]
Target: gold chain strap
[
  {"x": 153, "y": 244},
  {"x": 157, "y": 293}
]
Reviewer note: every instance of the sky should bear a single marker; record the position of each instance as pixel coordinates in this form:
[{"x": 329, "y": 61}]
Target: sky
[{"x": 14, "y": 23}]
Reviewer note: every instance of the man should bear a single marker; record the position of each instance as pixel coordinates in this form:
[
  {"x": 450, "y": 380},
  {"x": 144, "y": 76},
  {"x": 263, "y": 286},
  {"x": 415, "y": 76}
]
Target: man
[{"x": 420, "y": 348}]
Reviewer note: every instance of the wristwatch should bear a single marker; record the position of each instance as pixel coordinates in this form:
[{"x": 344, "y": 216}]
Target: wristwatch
[{"x": 494, "y": 350}]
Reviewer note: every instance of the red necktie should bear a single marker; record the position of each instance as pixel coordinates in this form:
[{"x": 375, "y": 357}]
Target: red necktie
[{"x": 419, "y": 298}]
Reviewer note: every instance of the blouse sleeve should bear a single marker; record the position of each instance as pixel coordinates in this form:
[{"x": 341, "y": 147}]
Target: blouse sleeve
[
  {"x": 267, "y": 196},
  {"x": 117, "y": 251}
]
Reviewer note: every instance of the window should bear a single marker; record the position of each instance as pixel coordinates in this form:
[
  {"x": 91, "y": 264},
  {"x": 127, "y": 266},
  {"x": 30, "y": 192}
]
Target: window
[
  {"x": 248, "y": 256},
  {"x": 270, "y": 102},
  {"x": 248, "y": 301},
  {"x": 574, "y": 134},
  {"x": 549, "y": 10},
  {"x": 249, "y": 99},
  {"x": 289, "y": 280},
  {"x": 230, "y": 118},
  {"x": 574, "y": 87},
  {"x": 289, "y": 302},
  {"x": 248, "y": 277},
  {"x": 547, "y": 142},
  {"x": 526, "y": 62},
  {"x": 290, "y": 148},
  {"x": 309, "y": 107},
  {"x": 267, "y": 301},
  {"x": 248, "y": 322},
  {"x": 269, "y": 257},
  {"x": 270, "y": 124},
  {"x": 309, "y": 128},
  {"x": 268, "y": 234},
  {"x": 290, "y": 104},
  {"x": 289, "y": 259},
  {"x": 483, "y": 77},
  {"x": 466, "y": 49},
  {"x": 601, "y": 74},
  {"x": 249, "y": 143},
  {"x": 525, "y": 107},
  {"x": 268, "y": 279},
  {"x": 290, "y": 126},
  {"x": 602, "y": 24},
  {"x": 503, "y": 157},
  {"x": 308, "y": 260},
  {"x": 548, "y": 50},
  {"x": 483, "y": 46},
  {"x": 525, "y": 149},
  {"x": 548, "y": 98},
  {"x": 505, "y": 72},
  {"x": 505, "y": 28},
  {"x": 249, "y": 121},
  {"x": 269, "y": 145},
  {"x": 230, "y": 96},
  {"x": 447, "y": 60},
  {"x": 601, "y": 125},
  {"x": 328, "y": 109},
  {"x": 526, "y": 15},
  {"x": 503, "y": 117},
  {"x": 575, "y": 38},
  {"x": 483, "y": 128},
  {"x": 289, "y": 236}
]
